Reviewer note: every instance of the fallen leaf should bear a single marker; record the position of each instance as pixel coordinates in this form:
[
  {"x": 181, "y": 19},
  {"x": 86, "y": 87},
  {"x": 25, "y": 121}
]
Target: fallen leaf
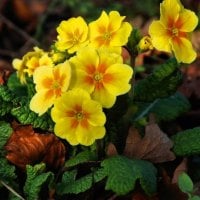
[
  {"x": 28, "y": 147},
  {"x": 182, "y": 167},
  {"x": 154, "y": 146},
  {"x": 168, "y": 190},
  {"x": 191, "y": 82},
  {"x": 111, "y": 150}
]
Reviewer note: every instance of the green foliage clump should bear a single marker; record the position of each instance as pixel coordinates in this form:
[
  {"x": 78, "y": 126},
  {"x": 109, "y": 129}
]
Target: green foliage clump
[
  {"x": 163, "y": 82},
  {"x": 187, "y": 143},
  {"x": 122, "y": 174},
  {"x": 36, "y": 178}
]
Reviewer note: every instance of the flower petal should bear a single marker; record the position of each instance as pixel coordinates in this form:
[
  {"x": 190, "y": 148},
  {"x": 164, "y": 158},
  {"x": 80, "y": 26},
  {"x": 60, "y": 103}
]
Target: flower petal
[
  {"x": 98, "y": 27},
  {"x": 183, "y": 50},
  {"x": 115, "y": 21},
  {"x": 62, "y": 74},
  {"x": 42, "y": 101},
  {"x": 121, "y": 36},
  {"x": 116, "y": 79},
  {"x": 88, "y": 136},
  {"x": 41, "y": 74},
  {"x": 106, "y": 99},
  {"x": 169, "y": 12},
  {"x": 159, "y": 36},
  {"x": 187, "y": 21},
  {"x": 96, "y": 117},
  {"x": 64, "y": 130}
]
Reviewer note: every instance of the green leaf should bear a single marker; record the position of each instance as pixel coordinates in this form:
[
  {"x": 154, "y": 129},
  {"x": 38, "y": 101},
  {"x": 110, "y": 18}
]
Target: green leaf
[
  {"x": 15, "y": 86},
  {"x": 7, "y": 171},
  {"x": 36, "y": 178},
  {"x": 195, "y": 197},
  {"x": 185, "y": 183},
  {"x": 82, "y": 157},
  {"x": 5, "y": 107},
  {"x": 163, "y": 82},
  {"x": 5, "y": 133},
  {"x": 122, "y": 174},
  {"x": 165, "y": 109},
  {"x": 69, "y": 184},
  {"x": 187, "y": 143},
  {"x": 25, "y": 116},
  {"x": 5, "y": 93}
]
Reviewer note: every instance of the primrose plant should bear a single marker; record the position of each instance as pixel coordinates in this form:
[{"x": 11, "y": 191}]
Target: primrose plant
[{"x": 83, "y": 91}]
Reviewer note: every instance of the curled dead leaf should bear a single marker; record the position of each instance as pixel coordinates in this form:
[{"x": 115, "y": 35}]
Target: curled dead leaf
[
  {"x": 182, "y": 167},
  {"x": 111, "y": 150},
  {"x": 154, "y": 146},
  {"x": 27, "y": 147}
]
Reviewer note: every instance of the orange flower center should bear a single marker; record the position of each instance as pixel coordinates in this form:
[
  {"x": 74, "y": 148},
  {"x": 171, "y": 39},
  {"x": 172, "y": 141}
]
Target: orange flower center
[
  {"x": 174, "y": 32},
  {"x": 55, "y": 85},
  {"x": 107, "y": 36},
  {"x": 98, "y": 76},
  {"x": 79, "y": 116}
]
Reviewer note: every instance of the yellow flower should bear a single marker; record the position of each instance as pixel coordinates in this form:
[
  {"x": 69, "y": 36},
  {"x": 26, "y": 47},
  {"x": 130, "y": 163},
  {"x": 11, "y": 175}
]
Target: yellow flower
[
  {"x": 171, "y": 32},
  {"x": 145, "y": 44},
  {"x": 50, "y": 82},
  {"x": 18, "y": 64},
  {"x": 109, "y": 30},
  {"x": 36, "y": 61},
  {"x": 72, "y": 35},
  {"x": 29, "y": 62},
  {"x": 102, "y": 74},
  {"x": 78, "y": 118}
]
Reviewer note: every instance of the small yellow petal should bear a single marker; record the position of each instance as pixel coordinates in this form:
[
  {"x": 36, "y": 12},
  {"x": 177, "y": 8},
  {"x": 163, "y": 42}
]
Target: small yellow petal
[
  {"x": 183, "y": 50},
  {"x": 106, "y": 99},
  {"x": 115, "y": 20},
  {"x": 117, "y": 79},
  {"x": 40, "y": 103},
  {"x": 63, "y": 130},
  {"x": 17, "y": 63},
  {"x": 169, "y": 12},
  {"x": 188, "y": 21},
  {"x": 121, "y": 36},
  {"x": 96, "y": 117},
  {"x": 159, "y": 36}
]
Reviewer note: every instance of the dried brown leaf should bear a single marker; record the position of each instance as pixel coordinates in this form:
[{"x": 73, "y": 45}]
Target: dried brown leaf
[
  {"x": 154, "y": 146},
  {"x": 27, "y": 147},
  {"x": 182, "y": 167},
  {"x": 111, "y": 150}
]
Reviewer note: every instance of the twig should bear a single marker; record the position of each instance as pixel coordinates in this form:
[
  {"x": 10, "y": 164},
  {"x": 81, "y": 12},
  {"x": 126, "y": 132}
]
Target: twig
[
  {"x": 11, "y": 190},
  {"x": 18, "y": 30},
  {"x": 8, "y": 53},
  {"x": 43, "y": 19}
]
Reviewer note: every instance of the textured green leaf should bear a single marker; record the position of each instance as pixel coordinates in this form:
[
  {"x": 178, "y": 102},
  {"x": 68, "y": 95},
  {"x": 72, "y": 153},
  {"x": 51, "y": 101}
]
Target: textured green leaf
[
  {"x": 5, "y": 107},
  {"x": 187, "y": 142},
  {"x": 5, "y": 133},
  {"x": 165, "y": 109},
  {"x": 195, "y": 197},
  {"x": 70, "y": 185},
  {"x": 15, "y": 86},
  {"x": 7, "y": 171},
  {"x": 25, "y": 116},
  {"x": 82, "y": 157},
  {"x": 163, "y": 82},
  {"x": 122, "y": 174},
  {"x": 185, "y": 183},
  {"x": 36, "y": 178},
  {"x": 5, "y": 93}
]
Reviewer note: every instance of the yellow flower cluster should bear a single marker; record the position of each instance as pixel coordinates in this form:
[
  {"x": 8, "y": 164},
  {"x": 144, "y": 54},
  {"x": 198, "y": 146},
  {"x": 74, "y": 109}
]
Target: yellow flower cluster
[
  {"x": 85, "y": 72},
  {"x": 108, "y": 31},
  {"x": 77, "y": 89}
]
